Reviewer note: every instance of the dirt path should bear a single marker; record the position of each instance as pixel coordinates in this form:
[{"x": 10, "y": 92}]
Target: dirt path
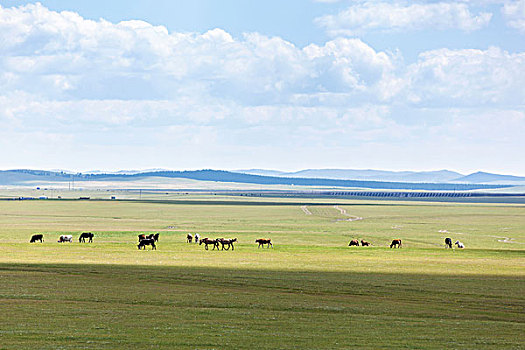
[
  {"x": 343, "y": 212},
  {"x": 305, "y": 210}
]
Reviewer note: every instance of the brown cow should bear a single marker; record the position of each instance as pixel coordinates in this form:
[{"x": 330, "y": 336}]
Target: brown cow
[
  {"x": 208, "y": 241},
  {"x": 353, "y": 242},
  {"x": 263, "y": 241},
  {"x": 396, "y": 243},
  {"x": 227, "y": 243},
  {"x": 365, "y": 243}
]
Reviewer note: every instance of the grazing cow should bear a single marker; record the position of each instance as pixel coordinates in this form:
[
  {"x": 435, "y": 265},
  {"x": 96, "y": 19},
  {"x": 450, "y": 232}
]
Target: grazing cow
[
  {"x": 156, "y": 237},
  {"x": 189, "y": 238},
  {"x": 448, "y": 242},
  {"x": 396, "y": 243},
  {"x": 65, "y": 238},
  {"x": 227, "y": 243},
  {"x": 353, "y": 242},
  {"x": 197, "y": 238},
  {"x": 147, "y": 241},
  {"x": 141, "y": 237},
  {"x": 365, "y": 243},
  {"x": 208, "y": 241},
  {"x": 35, "y": 238},
  {"x": 84, "y": 235},
  {"x": 459, "y": 244},
  {"x": 263, "y": 241}
]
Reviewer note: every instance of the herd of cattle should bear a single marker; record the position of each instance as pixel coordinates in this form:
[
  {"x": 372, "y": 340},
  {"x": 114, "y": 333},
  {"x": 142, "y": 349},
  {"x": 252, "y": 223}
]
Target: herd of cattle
[
  {"x": 219, "y": 243},
  {"x": 225, "y": 243},
  {"x": 153, "y": 238},
  {"x": 396, "y": 243}
]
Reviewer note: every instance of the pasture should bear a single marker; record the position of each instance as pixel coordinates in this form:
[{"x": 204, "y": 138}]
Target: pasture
[{"x": 310, "y": 291}]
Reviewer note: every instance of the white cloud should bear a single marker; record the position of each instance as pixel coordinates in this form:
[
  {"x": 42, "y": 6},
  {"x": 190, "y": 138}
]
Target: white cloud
[
  {"x": 383, "y": 16},
  {"x": 127, "y": 91},
  {"x": 514, "y": 12},
  {"x": 468, "y": 78}
]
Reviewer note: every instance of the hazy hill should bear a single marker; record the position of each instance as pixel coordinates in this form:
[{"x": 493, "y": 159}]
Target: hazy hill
[
  {"x": 262, "y": 172},
  {"x": 369, "y": 174},
  {"x": 31, "y": 177},
  {"x": 483, "y": 177}
]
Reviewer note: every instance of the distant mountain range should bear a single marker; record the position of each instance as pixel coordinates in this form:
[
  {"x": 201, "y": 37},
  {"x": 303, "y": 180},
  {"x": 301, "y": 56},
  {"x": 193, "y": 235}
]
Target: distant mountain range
[
  {"x": 33, "y": 177},
  {"x": 439, "y": 176}
]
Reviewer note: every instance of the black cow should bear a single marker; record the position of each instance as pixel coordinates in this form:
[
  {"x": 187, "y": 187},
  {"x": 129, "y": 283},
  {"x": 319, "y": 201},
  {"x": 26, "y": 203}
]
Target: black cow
[
  {"x": 156, "y": 237},
  {"x": 84, "y": 235},
  {"x": 353, "y": 242},
  {"x": 35, "y": 238},
  {"x": 147, "y": 241},
  {"x": 448, "y": 242}
]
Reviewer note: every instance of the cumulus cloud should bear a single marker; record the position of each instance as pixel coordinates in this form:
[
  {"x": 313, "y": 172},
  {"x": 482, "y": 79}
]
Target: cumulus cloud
[
  {"x": 514, "y": 12},
  {"x": 468, "y": 77},
  {"x": 61, "y": 55},
  {"x": 383, "y": 16},
  {"x": 146, "y": 91}
]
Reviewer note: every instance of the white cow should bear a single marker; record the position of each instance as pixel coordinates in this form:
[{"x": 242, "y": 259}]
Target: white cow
[
  {"x": 65, "y": 238},
  {"x": 459, "y": 244}
]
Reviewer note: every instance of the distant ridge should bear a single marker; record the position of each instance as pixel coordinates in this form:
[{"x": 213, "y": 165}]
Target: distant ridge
[
  {"x": 483, "y": 177},
  {"x": 17, "y": 177},
  {"x": 369, "y": 174}
]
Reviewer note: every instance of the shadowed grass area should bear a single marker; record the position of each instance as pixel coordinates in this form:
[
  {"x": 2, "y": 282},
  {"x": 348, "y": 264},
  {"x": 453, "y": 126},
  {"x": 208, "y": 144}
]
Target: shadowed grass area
[{"x": 118, "y": 306}]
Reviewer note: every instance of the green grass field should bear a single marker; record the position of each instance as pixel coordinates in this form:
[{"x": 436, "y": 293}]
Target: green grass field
[{"x": 310, "y": 291}]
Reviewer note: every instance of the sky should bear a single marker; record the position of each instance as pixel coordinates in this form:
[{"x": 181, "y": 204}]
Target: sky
[{"x": 288, "y": 85}]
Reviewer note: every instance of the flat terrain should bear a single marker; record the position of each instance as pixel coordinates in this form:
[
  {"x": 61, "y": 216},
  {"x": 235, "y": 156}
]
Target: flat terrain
[{"x": 310, "y": 291}]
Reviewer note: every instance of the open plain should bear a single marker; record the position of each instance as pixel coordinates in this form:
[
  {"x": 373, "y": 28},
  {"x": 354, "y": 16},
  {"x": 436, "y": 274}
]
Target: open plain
[{"x": 310, "y": 291}]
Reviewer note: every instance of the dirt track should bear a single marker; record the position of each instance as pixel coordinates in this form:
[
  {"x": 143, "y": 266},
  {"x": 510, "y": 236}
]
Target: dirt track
[
  {"x": 343, "y": 212},
  {"x": 305, "y": 210}
]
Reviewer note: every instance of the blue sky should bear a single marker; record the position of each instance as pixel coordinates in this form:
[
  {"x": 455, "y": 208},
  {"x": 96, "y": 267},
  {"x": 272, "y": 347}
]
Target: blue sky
[{"x": 399, "y": 85}]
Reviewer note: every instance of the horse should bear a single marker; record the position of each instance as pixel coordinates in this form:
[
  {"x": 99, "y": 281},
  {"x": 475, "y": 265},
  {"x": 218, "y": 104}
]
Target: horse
[
  {"x": 396, "y": 243},
  {"x": 84, "y": 235},
  {"x": 263, "y": 241},
  {"x": 365, "y": 243},
  {"x": 65, "y": 238},
  {"x": 227, "y": 243},
  {"x": 189, "y": 238},
  {"x": 147, "y": 241},
  {"x": 460, "y": 245},
  {"x": 353, "y": 242},
  {"x": 38, "y": 237},
  {"x": 208, "y": 241},
  {"x": 448, "y": 242}
]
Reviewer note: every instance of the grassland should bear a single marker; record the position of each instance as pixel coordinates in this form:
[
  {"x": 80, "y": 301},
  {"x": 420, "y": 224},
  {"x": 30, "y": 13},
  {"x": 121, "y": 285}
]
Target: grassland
[{"x": 310, "y": 291}]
